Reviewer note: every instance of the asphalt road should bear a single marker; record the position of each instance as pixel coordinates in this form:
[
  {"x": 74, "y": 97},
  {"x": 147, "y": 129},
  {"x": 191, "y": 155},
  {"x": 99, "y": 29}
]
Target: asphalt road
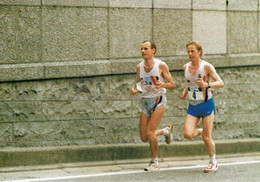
[
  {"x": 234, "y": 173},
  {"x": 232, "y": 168}
]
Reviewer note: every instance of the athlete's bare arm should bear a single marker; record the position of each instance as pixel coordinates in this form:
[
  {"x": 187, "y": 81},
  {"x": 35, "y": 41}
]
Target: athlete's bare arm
[
  {"x": 185, "y": 90},
  {"x": 164, "y": 69},
  {"x": 211, "y": 73},
  {"x": 134, "y": 90},
  {"x": 218, "y": 83}
]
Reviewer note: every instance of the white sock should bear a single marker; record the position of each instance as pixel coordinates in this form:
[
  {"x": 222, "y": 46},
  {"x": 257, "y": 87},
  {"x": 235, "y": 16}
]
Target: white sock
[
  {"x": 154, "y": 160},
  {"x": 213, "y": 159},
  {"x": 165, "y": 131},
  {"x": 200, "y": 130}
]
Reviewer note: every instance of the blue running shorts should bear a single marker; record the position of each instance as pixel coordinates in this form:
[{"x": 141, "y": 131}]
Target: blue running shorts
[
  {"x": 203, "y": 109},
  {"x": 150, "y": 104}
]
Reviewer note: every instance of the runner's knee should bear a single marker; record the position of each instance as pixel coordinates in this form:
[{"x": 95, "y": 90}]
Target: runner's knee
[
  {"x": 206, "y": 138},
  {"x": 188, "y": 135},
  {"x": 144, "y": 139},
  {"x": 150, "y": 135}
]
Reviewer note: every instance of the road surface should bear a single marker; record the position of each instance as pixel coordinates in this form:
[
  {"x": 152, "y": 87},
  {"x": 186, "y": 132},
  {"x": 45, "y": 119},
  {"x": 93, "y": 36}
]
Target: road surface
[{"x": 232, "y": 168}]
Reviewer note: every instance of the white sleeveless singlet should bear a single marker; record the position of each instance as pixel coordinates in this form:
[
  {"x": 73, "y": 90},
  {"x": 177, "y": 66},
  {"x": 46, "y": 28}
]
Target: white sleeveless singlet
[
  {"x": 148, "y": 79},
  {"x": 196, "y": 94}
]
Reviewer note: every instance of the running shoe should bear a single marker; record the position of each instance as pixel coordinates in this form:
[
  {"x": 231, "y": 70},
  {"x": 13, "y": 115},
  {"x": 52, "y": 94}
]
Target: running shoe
[
  {"x": 168, "y": 138},
  {"x": 212, "y": 167},
  {"x": 153, "y": 166}
]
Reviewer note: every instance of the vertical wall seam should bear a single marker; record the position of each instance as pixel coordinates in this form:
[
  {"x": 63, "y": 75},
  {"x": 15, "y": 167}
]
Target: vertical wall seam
[
  {"x": 152, "y": 21},
  {"x": 109, "y": 46},
  {"x": 192, "y": 19},
  {"x": 108, "y": 30},
  {"x": 258, "y": 38},
  {"x": 93, "y": 34},
  {"x": 227, "y": 35},
  {"x": 41, "y": 39}
]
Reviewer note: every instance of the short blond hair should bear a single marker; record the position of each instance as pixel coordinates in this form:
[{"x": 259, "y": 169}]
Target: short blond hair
[{"x": 197, "y": 45}]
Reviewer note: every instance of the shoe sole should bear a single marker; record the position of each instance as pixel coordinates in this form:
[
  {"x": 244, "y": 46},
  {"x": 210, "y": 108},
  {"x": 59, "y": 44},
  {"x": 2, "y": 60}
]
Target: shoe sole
[
  {"x": 145, "y": 169},
  {"x": 213, "y": 171}
]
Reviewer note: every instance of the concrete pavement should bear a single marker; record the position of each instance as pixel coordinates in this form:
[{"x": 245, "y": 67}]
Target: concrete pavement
[
  {"x": 97, "y": 170},
  {"x": 12, "y": 157}
]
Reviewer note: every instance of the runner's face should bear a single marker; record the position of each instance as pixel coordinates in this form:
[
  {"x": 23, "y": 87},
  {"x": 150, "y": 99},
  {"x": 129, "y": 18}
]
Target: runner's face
[
  {"x": 193, "y": 53},
  {"x": 146, "y": 50}
]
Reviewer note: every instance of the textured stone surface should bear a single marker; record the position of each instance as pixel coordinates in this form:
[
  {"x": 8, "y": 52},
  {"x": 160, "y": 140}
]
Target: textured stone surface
[
  {"x": 244, "y": 59},
  {"x": 76, "y": 69},
  {"x": 173, "y": 4},
  {"x": 21, "y": 72},
  {"x": 101, "y": 3},
  {"x": 5, "y": 133},
  {"x": 68, "y": 2},
  {"x": 101, "y": 33},
  {"x": 5, "y": 92},
  {"x": 20, "y": 34},
  {"x": 67, "y": 34},
  {"x": 74, "y": 32},
  {"x": 209, "y": 28},
  {"x": 172, "y": 30},
  {"x": 20, "y": 2},
  {"x": 40, "y": 131},
  {"x": 209, "y": 5},
  {"x": 68, "y": 67},
  {"x": 250, "y": 5},
  {"x": 175, "y": 63},
  {"x": 100, "y": 110},
  {"x": 242, "y": 32},
  {"x": 131, "y": 4},
  {"x": 124, "y": 40},
  {"x": 125, "y": 65}
]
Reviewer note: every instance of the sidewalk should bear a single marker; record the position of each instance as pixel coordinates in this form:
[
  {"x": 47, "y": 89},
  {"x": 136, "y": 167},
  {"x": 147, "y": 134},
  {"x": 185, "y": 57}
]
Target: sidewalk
[
  {"x": 74, "y": 171},
  {"x": 14, "y": 157}
]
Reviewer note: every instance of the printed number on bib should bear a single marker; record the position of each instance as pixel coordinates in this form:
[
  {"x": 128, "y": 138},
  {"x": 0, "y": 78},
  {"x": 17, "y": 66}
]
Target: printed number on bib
[{"x": 195, "y": 93}]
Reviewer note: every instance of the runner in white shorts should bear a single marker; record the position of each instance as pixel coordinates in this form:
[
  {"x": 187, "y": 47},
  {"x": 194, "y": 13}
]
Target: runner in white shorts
[{"x": 151, "y": 73}]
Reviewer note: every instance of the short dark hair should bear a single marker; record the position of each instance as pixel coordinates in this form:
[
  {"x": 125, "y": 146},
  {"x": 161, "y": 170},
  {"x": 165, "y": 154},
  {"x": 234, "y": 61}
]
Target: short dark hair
[{"x": 153, "y": 46}]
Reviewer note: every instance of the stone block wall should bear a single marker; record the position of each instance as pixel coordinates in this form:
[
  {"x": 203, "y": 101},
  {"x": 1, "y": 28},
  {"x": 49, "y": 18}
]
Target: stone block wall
[
  {"x": 66, "y": 66},
  {"x": 100, "y": 110}
]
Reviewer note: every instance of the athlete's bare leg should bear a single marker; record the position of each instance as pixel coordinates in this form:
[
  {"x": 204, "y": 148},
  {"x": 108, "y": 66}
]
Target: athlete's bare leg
[
  {"x": 154, "y": 122},
  {"x": 142, "y": 127},
  {"x": 206, "y": 133},
  {"x": 190, "y": 127},
  {"x": 148, "y": 129}
]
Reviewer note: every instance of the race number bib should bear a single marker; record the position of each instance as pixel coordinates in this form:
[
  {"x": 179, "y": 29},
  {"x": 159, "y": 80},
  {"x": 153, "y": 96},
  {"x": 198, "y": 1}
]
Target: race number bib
[{"x": 195, "y": 93}]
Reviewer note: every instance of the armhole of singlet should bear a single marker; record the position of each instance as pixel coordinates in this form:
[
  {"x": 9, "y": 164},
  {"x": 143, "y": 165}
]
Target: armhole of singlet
[
  {"x": 157, "y": 67},
  {"x": 186, "y": 68},
  {"x": 202, "y": 67},
  {"x": 141, "y": 68}
]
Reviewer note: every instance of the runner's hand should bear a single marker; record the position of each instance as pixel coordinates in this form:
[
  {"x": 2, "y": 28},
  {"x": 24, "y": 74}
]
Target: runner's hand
[
  {"x": 183, "y": 95},
  {"x": 201, "y": 83},
  {"x": 159, "y": 84},
  {"x": 133, "y": 91}
]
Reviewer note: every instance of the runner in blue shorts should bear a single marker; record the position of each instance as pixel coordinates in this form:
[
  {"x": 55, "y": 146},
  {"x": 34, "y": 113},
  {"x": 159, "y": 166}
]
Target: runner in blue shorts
[
  {"x": 203, "y": 109},
  {"x": 198, "y": 74}
]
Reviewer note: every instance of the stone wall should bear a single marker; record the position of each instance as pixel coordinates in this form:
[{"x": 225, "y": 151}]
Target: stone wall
[
  {"x": 100, "y": 110},
  {"x": 66, "y": 66}
]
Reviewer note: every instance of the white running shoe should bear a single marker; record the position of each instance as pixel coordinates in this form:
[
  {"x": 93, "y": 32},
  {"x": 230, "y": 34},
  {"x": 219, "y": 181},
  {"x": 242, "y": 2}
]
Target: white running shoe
[
  {"x": 168, "y": 137},
  {"x": 153, "y": 166},
  {"x": 212, "y": 167}
]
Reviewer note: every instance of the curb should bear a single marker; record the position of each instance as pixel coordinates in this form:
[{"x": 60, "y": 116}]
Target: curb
[{"x": 12, "y": 157}]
